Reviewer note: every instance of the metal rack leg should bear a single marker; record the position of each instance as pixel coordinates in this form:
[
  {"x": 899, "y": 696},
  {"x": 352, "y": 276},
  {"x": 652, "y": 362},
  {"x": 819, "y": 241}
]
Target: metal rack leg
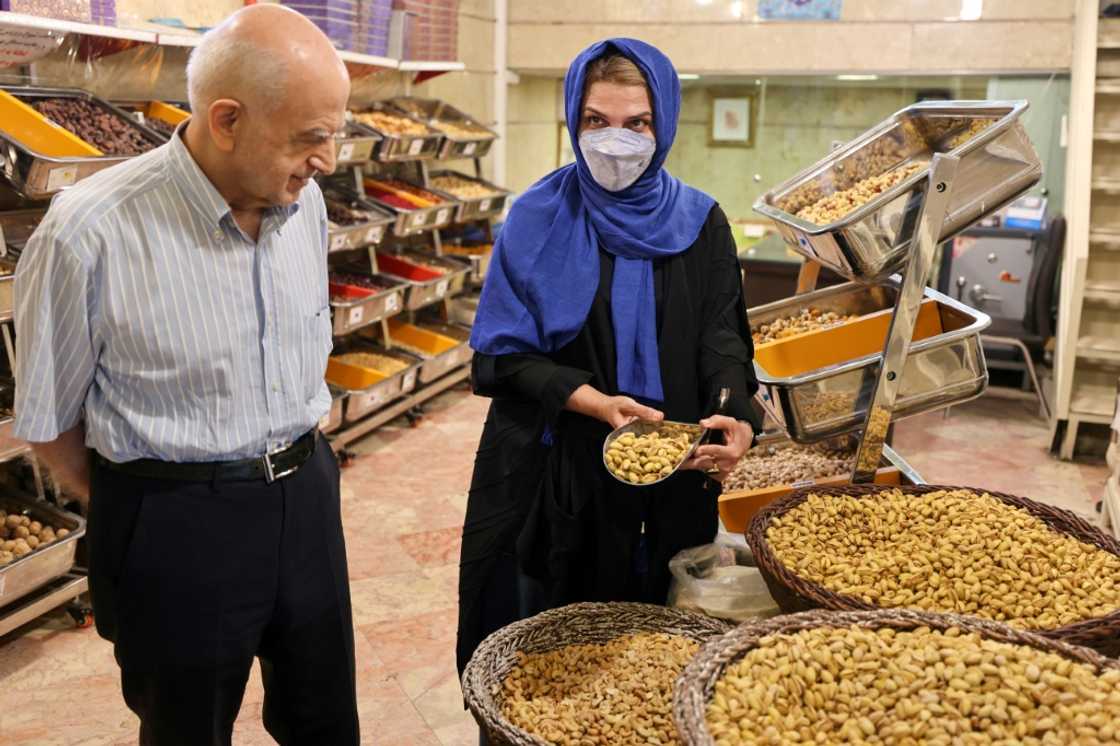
[
  {"x": 1043, "y": 404},
  {"x": 923, "y": 246}
]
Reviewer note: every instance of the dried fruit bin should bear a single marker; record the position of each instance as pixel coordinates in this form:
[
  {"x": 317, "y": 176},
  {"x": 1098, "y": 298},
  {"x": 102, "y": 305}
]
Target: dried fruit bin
[
  {"x": 477, "y": 254},
  {"x": 425, "y": 286},
  {"x": 158, "y": 116},
  {"x": 398, "y": 145},
  {"x": 464, "y": 137},
  {"x": 456, "y": 269},
  {"x": 354, "y": 306},
  {"x": 696, "y": 687},
  {"x": 7, "y": 288},
  {"x": 795, "y": 593},
  {"x": 411, "y": 217},
  {"x": 357, "y": 145},
  {"x": 34, "y": 570},
  {"x": 16, "y": 226},
  {"x": 577, "y": 624},
  {"x": 342, "y": 237},
  {"x": 869, "y": 243},
  {"x": 738, "y": 507},
  {"x": 478, "y": 207},
  {"x": 368, "y": 389},
  {"x": 332, "y": 420},
  {"x": 817, "y": 385},
  {"x": 38, "y": 157},
  {"x": 442, "y": 347}
]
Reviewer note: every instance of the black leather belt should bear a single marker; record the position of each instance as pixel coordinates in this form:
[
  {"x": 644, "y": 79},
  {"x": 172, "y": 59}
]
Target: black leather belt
[{"x": 270, "y": 467}]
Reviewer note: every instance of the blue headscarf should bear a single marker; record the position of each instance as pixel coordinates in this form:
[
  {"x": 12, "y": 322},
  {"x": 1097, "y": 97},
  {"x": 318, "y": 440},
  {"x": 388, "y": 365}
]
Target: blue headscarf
[{"x": 545, "y": 267}]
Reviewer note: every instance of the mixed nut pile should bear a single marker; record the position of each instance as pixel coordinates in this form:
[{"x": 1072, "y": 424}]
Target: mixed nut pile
[
  {"x": 373, "y": 361},
  {"x": 109, "y": 133},
  {"x": 853, "y": 685},
  {"x": 646, "y": 458},
  {"x": 391, "y": 124},
  {"x": 462, "y": 188},
  {"x": 768, "y": 466},
  {"x": 21, "y": 535},
  {"x": 615, "y": 694},
  {"x": 837, "y": 205},
  {"x": 947, "y": 551},
  {"x": 806, "y": 320}
]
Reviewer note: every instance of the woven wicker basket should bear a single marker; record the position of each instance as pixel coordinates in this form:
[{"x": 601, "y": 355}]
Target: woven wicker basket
[
  {"x": 793, "y": 593},
  {"x": 578, "y": 624},
  {"x": 696, "y": 685}
]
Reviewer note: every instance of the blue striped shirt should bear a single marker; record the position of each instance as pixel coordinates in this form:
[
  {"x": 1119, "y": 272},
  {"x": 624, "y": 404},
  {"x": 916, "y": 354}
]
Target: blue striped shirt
[{"x": 142, "y": 308}]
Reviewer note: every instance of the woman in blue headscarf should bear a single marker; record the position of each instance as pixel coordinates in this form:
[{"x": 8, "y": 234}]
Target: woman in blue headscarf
[{"x": 614, "y": 293}]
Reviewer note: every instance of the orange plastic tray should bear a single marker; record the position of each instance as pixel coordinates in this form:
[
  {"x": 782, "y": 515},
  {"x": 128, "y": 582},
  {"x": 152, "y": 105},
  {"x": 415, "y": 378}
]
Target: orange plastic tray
[
  {"x": 819, "y": 349},
  {"x": 421, "y": 339},
  {"x": 352, "y": 377}
]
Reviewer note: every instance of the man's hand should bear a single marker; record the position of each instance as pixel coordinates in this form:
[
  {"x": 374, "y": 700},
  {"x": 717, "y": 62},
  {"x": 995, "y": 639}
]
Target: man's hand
[
  {"x": 616, "y": 411},
  {"x": 67, "y": 459},
  {"x": 719, "y": 461}
]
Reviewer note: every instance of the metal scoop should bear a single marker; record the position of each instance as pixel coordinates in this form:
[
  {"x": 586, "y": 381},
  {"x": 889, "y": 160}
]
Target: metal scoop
[{"x": 698, "y": 436}]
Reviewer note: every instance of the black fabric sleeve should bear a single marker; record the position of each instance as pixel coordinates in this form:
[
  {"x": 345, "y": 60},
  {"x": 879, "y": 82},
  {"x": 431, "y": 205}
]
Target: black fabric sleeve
[
  {"x": 726, "y": 349},
  {"x": 527, "y": 376}
]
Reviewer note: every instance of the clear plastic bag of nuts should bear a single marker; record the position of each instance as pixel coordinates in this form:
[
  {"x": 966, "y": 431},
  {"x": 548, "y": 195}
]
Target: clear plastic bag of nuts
[{"x": 720, "y": 580}]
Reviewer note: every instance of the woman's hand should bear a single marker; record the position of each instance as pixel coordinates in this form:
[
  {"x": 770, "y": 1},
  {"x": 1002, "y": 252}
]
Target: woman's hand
[
  {"x": 616, "y": 411},
  {"x": 718, "y": 461}
]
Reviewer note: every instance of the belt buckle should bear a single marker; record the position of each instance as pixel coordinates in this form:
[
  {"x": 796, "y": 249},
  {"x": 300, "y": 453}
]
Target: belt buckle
[{"x": 270, "y": 473}]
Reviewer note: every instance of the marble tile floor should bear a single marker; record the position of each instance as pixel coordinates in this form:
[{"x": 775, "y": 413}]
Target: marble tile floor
[{"x": 403, "y": 500}]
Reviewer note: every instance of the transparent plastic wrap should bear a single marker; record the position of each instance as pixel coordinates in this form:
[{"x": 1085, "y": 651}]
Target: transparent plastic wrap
[{"x": 720, "y": 580}]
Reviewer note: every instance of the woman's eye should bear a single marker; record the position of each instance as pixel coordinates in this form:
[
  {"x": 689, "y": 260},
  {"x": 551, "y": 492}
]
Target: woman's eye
[
  {"x": 638, "y": 125},
  {"x": 594, "y": 121}
]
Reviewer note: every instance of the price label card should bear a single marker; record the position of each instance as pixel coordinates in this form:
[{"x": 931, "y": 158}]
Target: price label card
[
  {"x": 418, "y": 219},
  {"x": 373, "y": 235},
  {"x": 393, "y": 303},
  {"x": 416, "y": 147},
  {"x": 441, "y": 288},
  {"x": 484, "y": 205},
  {"x": 338, "y": 242},
  {"x": 443, "y": 216},
  {"x": 470, "y": 148},
  {"x": 63, "y": 176},
  {"x": 409, "y": 380},
  {"x": 346, "y": 151},
  {"x": 357, "y": 313}
]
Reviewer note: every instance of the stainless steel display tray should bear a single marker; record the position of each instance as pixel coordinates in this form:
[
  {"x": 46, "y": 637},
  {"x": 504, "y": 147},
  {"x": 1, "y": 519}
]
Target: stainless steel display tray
[
  {"x": 392, "y": 147},
  {"x": 38, "y": 176},
  {"x": 24, "y": 575},
  {"x": 409, "y": 222},
  {"x": 941, "y": 370},
  {"x": 458, "y": 268},
  {"x": 7, "y": 288},
  {"x": 480, "y": 265},
  {"x": 431, "y": 111},
  {"x": 369, "y": 233},
  {"x": 997, "y": 165},
  {"x": 332, "y": 420},
  {"x": 478, "y": 207},
  {"x": 356, "y": 145},
  {"x": 350, "y": 315},
  {"x": 464, "y": 308},
  {"x": 362, "y": 402},
  {"x": 16, "y": 226},
  {"x": 437, "y": 366}
]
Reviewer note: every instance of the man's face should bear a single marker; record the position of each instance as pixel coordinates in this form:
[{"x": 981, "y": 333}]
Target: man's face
[{"x": 282, "y": 149}]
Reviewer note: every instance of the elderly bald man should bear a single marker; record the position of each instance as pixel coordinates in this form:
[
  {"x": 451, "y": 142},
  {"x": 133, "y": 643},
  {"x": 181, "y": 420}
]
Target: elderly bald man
[{"x": 173, "y": 331}]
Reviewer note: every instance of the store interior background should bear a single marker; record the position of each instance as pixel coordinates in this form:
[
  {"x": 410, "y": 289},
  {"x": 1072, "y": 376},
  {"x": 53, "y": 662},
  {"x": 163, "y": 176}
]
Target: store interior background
[{"x": 815, "y": 83}]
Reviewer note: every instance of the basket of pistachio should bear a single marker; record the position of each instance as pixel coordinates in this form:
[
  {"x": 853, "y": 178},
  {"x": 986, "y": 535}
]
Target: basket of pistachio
[
  {"x": 598, "y": 674},
  {"x": 896, "y": 677},
  {"x": 942, "y": 549}
]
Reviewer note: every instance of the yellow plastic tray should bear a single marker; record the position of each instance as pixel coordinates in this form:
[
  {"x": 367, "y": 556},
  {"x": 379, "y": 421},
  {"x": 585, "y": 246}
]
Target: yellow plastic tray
[
  {"x": 36, "y": 133},
  {"x": 820, "y": 349},
  {"x": 426, "y": 341},
  {"x": 352, "y": 377},
  {"x": 165, "y": 112}
]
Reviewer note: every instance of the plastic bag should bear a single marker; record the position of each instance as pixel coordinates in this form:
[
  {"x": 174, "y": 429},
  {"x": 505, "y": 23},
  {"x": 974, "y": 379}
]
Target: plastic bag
[{"x": 720, "y": 580}]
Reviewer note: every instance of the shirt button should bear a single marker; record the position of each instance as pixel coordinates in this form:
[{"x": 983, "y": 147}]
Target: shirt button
[
  {"x": 217, "y": 235},
  {"x": 276, "y": 387}
]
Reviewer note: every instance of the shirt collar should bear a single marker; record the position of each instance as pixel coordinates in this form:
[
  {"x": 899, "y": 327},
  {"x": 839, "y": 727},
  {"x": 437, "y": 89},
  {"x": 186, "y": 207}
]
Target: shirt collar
[{"x": 201, "y": 192}]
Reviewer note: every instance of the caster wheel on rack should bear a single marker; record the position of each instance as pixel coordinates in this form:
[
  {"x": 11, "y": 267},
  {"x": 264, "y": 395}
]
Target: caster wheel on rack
[
  {"x": 82, "y": 615},
  {"x": 415, "y": 416},
  {"x": 345, "y": 459}
]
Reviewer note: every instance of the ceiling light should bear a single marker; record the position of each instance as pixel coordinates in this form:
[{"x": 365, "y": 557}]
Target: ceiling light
[{"x": 857, "y": 77}]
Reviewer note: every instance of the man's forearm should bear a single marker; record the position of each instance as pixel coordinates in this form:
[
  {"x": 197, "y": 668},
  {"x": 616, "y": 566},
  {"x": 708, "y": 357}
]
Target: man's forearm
[{"x": 67, "y": 460}]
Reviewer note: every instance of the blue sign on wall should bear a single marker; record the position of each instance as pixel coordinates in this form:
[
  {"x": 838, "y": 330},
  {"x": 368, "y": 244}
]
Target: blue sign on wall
[{"x": 800, "y": 10}]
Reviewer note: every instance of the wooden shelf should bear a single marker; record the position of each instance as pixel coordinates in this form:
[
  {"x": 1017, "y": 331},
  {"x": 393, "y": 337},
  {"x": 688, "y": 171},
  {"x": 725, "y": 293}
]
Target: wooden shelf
[
  {"x": 1106, "y": 185},
  {"x": 1108, "y": 87},
  {"x": 1107, "y": 239},
  {"x": 1109, "y": 136},
  {"x": 1101, "y": 349},
  {"x": 1098, "y": 291},
  {"x": 1094, "y": 403}
]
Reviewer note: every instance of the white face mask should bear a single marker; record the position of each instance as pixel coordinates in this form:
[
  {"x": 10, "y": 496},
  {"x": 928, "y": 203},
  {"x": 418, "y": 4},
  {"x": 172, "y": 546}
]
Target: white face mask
[{"x": 616, "y": 157}]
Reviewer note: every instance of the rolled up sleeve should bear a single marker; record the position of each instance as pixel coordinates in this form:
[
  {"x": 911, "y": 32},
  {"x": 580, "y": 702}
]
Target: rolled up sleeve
[{"x": 55, "y": 357}]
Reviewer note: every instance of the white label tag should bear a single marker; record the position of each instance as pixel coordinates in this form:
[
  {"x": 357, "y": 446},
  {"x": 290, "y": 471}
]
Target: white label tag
[
  {"x": 346, "y": 151},
  {"x": 393, "y": 303},
  {"x": 416, "y": 147},
  {"x": 338, "y": 241},
  {"x": 484, "y": 205},
  {"x": 373, "y": 398},
  {"x": 410, "y": 379},
  {"x": 357, "y": 313},
  {"x": 325, "y": 421},
  {"x": 63, "y": 176},
  {"x": 470, "y": 148},
  {"x": 418, "y": 219},
  {"x": 443, "y": 216},
  {"x": 441, "y": 288},
  {"x": 373, "y": 235}
]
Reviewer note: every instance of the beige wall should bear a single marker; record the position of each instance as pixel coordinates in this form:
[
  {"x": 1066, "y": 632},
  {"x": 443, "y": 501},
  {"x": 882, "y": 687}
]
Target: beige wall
[{"x": 882, "y": 36}]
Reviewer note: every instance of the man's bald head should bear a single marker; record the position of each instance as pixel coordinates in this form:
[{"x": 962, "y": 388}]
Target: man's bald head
[{"x": 259, "y": 54}]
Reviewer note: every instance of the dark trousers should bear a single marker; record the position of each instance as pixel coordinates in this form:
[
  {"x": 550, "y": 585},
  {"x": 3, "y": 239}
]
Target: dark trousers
[{"x": 191, "y": 581}]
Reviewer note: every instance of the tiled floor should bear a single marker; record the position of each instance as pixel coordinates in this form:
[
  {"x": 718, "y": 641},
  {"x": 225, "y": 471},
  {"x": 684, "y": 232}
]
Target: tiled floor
[{"x": 403, "y": 499}]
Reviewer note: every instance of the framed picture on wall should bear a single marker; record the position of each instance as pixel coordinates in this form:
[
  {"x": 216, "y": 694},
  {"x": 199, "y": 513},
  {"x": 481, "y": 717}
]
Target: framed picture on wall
[{"x": 733, "y": 117}]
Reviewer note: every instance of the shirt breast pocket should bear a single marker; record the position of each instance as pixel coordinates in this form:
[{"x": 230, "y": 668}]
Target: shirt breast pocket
[{"x": 316, "y": 348}]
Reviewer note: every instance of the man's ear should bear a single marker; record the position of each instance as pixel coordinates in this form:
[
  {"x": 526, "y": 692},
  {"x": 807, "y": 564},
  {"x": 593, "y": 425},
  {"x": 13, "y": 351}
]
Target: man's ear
[{"x": 224, "y": 116}]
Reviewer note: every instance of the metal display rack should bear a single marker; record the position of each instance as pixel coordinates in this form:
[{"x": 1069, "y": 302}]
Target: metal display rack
[{"x": 971, "y": 159}]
